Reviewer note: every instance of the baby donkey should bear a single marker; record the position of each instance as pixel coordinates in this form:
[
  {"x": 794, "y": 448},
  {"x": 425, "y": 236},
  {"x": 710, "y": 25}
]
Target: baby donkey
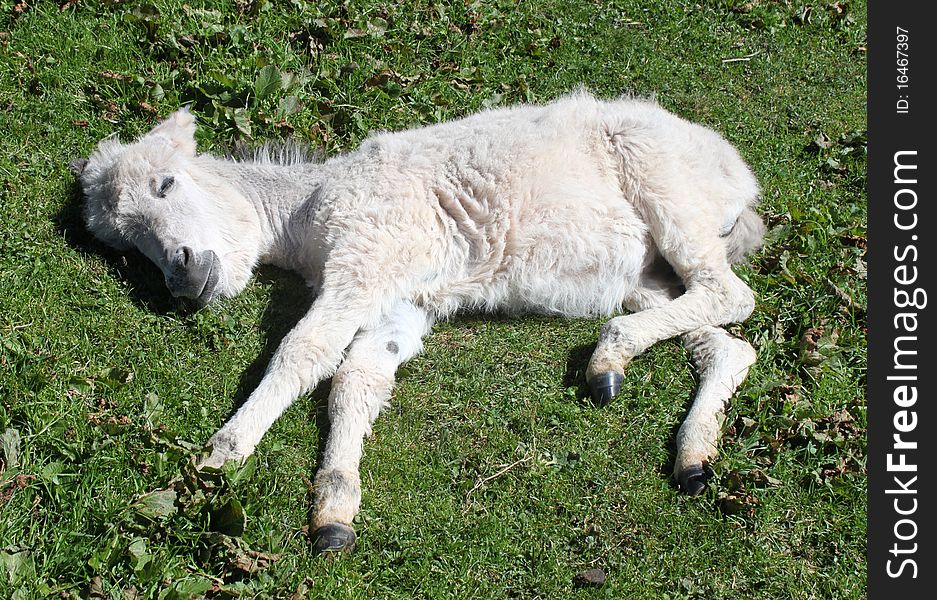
[{"x": 580, "y": 207}]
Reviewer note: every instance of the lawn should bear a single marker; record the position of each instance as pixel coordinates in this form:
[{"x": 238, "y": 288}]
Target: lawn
[{"x": 491, "y": 475}]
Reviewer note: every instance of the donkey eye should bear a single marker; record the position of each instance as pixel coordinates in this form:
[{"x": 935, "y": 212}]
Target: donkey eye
[{"x": 165, "y": 185}]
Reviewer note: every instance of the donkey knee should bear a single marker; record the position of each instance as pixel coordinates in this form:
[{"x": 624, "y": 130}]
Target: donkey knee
[
  {"x": 732, "y": 300},
  {"x": 361, "y": 393}
]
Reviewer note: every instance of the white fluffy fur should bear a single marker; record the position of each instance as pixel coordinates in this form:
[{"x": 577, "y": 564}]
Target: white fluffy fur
[{"x": 578, "y": 207}]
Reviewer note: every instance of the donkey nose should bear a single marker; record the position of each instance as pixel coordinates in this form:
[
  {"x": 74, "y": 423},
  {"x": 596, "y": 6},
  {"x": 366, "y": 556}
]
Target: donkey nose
[
  {"x": 193, "y": 274},
  {"x": 184, "y": 256}
]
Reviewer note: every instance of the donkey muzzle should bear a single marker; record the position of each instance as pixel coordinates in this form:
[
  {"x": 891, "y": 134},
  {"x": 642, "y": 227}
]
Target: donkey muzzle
[{"x": 193, "y": 274}]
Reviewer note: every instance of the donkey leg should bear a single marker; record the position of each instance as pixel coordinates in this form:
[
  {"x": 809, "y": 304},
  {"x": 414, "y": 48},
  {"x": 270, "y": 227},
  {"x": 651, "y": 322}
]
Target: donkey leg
[
  {"x": 686, "y": 234},
  {"x": 711, "y": 299},
  {"x": 309, "y": 353},
  {"x": 360, "y": 388},
  {"x": 722, "y": 362}
]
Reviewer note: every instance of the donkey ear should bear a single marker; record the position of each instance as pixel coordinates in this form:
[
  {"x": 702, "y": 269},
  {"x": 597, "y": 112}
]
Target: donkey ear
[
  {"x": 179, "y": 129},
  {"x": 77, "y": 166}
]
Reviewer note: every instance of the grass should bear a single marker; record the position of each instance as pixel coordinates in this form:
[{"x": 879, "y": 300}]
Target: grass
[{"x": 490, "y": 476}]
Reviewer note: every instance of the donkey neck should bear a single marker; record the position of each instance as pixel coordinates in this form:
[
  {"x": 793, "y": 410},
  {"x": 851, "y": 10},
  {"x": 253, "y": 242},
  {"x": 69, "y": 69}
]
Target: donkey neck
[{"x": 276, "y": 193}]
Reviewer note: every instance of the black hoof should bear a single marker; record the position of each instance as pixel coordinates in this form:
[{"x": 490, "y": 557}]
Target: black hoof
[
  {"x": 605, "y": 386},
  {"x": 334, "y": 537},
  {"x": 693, "y": 480}
]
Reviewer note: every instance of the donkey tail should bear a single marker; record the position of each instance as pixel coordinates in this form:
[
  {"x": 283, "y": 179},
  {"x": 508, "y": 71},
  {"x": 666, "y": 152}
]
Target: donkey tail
[{"x": 745, "y": 237}]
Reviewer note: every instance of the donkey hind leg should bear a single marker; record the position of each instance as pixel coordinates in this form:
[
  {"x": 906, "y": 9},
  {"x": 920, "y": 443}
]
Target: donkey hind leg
[
  {"x": 714, "y": 296},
  {"x": 722, "y": 362},
  {"x": 360, "y": 388},
  {"x": 711, "y": 299}
]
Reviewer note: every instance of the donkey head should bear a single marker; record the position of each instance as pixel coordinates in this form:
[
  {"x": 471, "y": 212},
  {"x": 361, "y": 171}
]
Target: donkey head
[{"x": 157, "y": 196}]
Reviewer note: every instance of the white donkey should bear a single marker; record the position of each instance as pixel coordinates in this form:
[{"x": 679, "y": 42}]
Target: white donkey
[{"x": 579, "y": 208}]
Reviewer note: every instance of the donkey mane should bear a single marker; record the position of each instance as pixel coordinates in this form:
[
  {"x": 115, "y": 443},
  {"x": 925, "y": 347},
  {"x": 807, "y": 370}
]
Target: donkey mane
[{"x": 289, "y": 152}]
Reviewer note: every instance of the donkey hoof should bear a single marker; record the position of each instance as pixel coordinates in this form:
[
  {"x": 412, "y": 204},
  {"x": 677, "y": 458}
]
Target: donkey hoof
[
  {"x": 334, "y": 537},
  {"x": 605, "y": 386},
  {"x": 693, "y": 480}
]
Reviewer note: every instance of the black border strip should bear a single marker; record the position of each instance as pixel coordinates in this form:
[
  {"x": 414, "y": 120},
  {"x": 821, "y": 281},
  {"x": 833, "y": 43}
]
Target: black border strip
[{"x": 902, "y": 240}]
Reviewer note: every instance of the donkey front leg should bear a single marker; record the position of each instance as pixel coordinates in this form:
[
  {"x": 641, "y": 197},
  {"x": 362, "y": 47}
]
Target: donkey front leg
[
  {"x": 309, "y": 353},
  {"x": 360, "y": 389}
]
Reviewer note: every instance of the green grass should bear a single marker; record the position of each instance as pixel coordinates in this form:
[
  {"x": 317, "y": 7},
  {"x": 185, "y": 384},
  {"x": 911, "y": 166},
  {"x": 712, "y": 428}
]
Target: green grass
[{"x": 106, "y": 386}]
